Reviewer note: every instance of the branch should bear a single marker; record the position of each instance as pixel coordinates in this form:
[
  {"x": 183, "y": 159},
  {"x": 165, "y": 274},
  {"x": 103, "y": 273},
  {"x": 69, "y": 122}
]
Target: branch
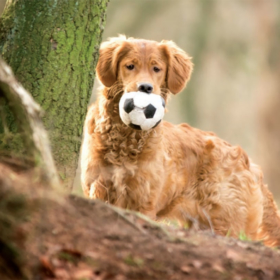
[{"x": 28, "y": 116}]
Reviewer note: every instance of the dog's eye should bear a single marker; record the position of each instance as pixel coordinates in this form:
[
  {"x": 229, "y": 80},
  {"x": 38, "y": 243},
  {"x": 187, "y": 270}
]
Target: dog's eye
[
  {"x": 156, "y": 69},
  {"x": 130, "y": 67}
]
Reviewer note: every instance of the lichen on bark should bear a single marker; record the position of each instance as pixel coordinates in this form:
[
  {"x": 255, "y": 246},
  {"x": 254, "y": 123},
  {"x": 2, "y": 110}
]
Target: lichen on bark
[{"x": 52, "y": 47}]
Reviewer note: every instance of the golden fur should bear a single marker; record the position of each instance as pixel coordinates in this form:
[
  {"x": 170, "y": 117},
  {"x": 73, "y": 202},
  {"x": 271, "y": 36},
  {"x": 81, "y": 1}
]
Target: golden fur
[{"x": 172, "y": 171}]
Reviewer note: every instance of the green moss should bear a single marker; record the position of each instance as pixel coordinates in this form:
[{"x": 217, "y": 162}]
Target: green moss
[
  {"x": 90, "y": 261},
  {"x": 67, "y": 257},
  {"x": 157, "y": 265},
  {"x": 134, "y": 261},
  {"x": 13, "y": 211}
]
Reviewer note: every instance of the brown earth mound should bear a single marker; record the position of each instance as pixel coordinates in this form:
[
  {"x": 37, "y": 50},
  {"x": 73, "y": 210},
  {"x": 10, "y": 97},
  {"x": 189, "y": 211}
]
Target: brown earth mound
[{"x": 46, "y": 234}]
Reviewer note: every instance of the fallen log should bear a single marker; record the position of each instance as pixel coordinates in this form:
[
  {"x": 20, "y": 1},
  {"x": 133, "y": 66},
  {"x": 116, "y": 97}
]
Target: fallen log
[{"x": 59, "y": 236}]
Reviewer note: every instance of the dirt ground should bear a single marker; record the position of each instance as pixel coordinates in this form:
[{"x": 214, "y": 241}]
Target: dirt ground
[{"x": 46, "y": 234}]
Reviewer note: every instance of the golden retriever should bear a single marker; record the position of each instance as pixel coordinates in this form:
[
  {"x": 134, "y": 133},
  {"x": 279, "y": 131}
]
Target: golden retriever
[{"x": 171, "y": 171}]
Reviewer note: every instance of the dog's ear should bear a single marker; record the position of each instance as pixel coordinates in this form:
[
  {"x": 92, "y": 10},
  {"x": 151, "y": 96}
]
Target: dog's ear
[
  {"x": 110, "y": 54},
  {"x": 179, "y": 66}
]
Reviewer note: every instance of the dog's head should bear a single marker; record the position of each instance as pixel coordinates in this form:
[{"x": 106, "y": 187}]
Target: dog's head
[{"x": 143, "y": 65}]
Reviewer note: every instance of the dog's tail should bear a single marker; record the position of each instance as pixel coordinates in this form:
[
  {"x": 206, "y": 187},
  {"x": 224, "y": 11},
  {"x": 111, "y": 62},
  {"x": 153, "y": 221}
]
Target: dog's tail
[{"x": 270, "y": 229}]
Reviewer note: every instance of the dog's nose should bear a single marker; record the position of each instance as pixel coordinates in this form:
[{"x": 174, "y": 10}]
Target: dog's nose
[{"x": 145, "y": 87}]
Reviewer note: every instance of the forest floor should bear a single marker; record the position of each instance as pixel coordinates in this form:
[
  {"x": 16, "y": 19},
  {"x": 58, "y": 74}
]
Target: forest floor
[{"x": 46, "y": 234}]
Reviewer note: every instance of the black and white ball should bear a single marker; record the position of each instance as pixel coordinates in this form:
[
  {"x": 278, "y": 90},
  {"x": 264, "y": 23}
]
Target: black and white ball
[{"x": 140, "y": 110}]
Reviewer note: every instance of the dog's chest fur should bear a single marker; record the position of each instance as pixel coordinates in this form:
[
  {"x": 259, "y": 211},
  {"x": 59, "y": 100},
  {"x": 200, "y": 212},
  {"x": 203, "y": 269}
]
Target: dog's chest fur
[{"x": 127, "y": 157}]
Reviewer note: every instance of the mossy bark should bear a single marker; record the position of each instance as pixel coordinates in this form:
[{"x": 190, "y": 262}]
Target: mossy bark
[
  {"x": 52, "y": 47},
  {"x": 28, "y": 117}
]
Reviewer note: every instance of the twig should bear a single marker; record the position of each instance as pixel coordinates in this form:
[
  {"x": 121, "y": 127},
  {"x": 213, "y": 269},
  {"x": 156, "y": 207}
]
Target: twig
[
  {"x": 122, "y": 213},
  {"x": 144, "y": 218},
  {"x": 209, "y": 220}
]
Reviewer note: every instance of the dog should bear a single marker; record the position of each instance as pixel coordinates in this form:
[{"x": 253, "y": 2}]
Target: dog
[{"x": 172, "y": 171}]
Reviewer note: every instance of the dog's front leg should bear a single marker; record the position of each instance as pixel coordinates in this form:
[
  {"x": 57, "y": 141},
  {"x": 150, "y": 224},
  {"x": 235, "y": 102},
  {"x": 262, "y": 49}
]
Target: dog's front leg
[
  {"x": 149, "y": 208},
  {"x": 99, "y": 190}
]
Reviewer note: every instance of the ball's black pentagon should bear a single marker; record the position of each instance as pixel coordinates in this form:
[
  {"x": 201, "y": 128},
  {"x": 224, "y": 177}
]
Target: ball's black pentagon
[
  {"x": 128, "y": 105},
  {"x": 150, "y": 111},
  {"x": 163, "y": 102},
  {"x": 135, "y": 126},
  {"x": 156, "y": 124}
]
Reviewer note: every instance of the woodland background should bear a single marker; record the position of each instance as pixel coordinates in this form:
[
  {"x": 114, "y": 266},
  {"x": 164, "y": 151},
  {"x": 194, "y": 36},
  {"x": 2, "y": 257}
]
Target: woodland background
[{"x": 235, "y": 87}]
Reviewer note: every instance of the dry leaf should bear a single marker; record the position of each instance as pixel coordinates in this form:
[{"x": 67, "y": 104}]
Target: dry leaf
[
  {"x": 197, "y": 264},
  {"x": 233, "y": 255},
  {"x": 62, "y": 274},
  {"x": 82, "y": 273},
  {"x": 46, "y": 266},
  {"x": 218, "y": 268},
  {"x": 186, "y": 269}
]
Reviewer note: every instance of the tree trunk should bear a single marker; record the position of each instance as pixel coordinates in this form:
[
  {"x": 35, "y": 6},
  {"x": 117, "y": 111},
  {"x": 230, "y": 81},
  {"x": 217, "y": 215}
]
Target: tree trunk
[{"x": 52, "y": 47}]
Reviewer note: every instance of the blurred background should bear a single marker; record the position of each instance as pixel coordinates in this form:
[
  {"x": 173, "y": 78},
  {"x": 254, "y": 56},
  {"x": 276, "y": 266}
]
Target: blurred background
[{"x": 235, "y": 87}]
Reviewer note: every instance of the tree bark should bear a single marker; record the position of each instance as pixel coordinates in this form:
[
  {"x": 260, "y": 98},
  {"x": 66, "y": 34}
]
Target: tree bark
[{"x": 52, "y": 47}]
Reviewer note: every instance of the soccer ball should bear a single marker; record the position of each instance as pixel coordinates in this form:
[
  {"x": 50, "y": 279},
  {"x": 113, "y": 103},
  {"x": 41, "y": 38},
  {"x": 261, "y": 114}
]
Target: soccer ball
[{"x": 141, "y": 110}]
